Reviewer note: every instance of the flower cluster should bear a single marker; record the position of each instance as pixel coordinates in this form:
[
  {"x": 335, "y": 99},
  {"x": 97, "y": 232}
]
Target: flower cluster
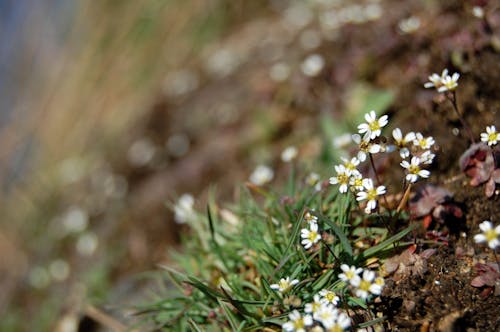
[
  {"x": 321, "y": 314},
  {"x": 443, "y": 82},
  {"x": 489, "y": 234},
  {"x": 412, "y": 146},
  {"x": 364, "y": 282}
]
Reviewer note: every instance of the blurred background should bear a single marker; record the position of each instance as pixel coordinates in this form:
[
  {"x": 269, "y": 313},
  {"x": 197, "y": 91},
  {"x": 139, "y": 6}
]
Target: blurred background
[{"x": 111, "y": 109}]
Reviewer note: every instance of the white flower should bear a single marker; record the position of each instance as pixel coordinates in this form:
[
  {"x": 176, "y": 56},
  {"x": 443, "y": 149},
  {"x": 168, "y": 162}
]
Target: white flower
[
  {"x": 341, "y": 323},
  {"x": 312, "y": 65},
  {"x": 350, "y": 274},
  {"x": 329, "y": 297},
  {"x": 284, "y": 285},
  {"x": 310, "y": 236},
  {"x": 279, "y": 72},
  {"x": 435, "y": 81},
  {"x": 370, "y": 194},
  {"x": 427, "y": 157},
  {"x": 422, "y": 142},
  {"x": 490, "y": 136},
  {"x": 489, "y": 234},
  {"x": 326, "y": 314},
  {"x": 365, "y": 146},
  {"x": 409, "y": 25},
  {"x": 289, "y": 154},
  {"x": 365, "y": 286},
  {"x": 478, "y": 12},
  {"x": 312, "y": 308},
  {"x": 401, "y": 141},
  {"x": 374, "y": 126},
  {"x": 414, "y": 170},
  {"x": 297, "y": 323},
  {"x": 351, "y": 164},
  {"x": 356, "y": 181},
  {"x": 341, "y": 141},
  {"x": 183, "y": 210},
  {"x": 449, "y": 83},
  {"x": 342, "y": 178},
  {"x": 310, "y": 218},
  {"x": 261, "y": 175},
  {"x": 312, "y": 179},
  {"x": 378, "y": 284}
]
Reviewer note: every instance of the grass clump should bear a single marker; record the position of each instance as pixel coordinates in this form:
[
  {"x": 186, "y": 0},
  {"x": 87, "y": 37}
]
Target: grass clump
[{"x": 302, "y": 258}]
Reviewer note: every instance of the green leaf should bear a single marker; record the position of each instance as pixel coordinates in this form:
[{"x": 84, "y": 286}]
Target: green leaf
[{"x": 373, "y": 251}]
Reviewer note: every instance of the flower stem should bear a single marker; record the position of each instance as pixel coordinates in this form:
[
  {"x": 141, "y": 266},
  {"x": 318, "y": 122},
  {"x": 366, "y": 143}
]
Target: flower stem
[
  {"x": 452, "y": 97},
  {"x": 379, "y": 183}
]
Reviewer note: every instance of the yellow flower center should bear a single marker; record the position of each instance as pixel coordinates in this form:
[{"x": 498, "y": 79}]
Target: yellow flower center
[
  {"x": 299, "y": 324},
  {"x": 414, "y": 169},
  {"x": 364, "y": 285},
  {"x": 330, "y": 296},
  {"x": 492, "y": 137},
  {"x": 312, "y": 236},
  {"x": 336, "y": 328},
  {"x": 490, "y": 235},
  {"x": 284, "y": 284},
  {"x": 371, "y": 194},
  {"x": 343, "y": 178},
  {"x": 374, "y": 125},
  {"x": 380, "y": 281}
]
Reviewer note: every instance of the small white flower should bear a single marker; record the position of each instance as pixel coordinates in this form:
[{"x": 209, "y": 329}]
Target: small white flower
[
  {"x": 312, "y": 179},
  {"x": 422, "y": 142},
  {"x": 374, "y": 126},
  {"x": 342, "y": 141},
  {"x": 326, "y": 315},
  {"x": 279, "y": 72},
  {"x": 297, "y": 323},
  {"x": 414, "y": 170},
  {"x": 409, "y": 25},
  {"x": 427, "y": 157},
  {"x": 449, "y": 83},
  {"x": 310, "y": 236},
  {"x": 370, "y": 194},
  {"x": 356, "y": 181},
  {"x": 329, "y": 297},
  {"x": 310, "y": 218},
  {"x": 490, "y": 136},
  {"x": 376, "y": 287},
  {"x": 183, "y": 210},
  {"x": 341, "y": 323},
  {"x": 289, "y": 154},
  {"x": 490, "y": 235},
  {"x": 478, "y": 12},
  {"x": 342, "y": 178},
  {"x": 350, "y": 274},
  {"x": 312, "y": 65},
  {"x": 435, "y": 81},
  {"x": 351, "y": 164},
  {"x": 401, "y": 141},
  {"x": 261, "y": 175},
  {"x": 284, "y": 285},
  {"x": 312, "y": 308},
  {"x": 364, "y": 286},
  {"x": 365, "y": 146}
]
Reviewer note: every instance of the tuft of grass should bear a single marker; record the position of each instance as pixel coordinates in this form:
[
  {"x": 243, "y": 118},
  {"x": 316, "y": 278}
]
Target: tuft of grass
[{"x": 222, "y": 281}]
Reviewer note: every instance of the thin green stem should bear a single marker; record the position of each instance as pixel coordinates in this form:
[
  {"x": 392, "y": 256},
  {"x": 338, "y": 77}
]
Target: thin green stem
[{"x": 452, "y": 97}]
